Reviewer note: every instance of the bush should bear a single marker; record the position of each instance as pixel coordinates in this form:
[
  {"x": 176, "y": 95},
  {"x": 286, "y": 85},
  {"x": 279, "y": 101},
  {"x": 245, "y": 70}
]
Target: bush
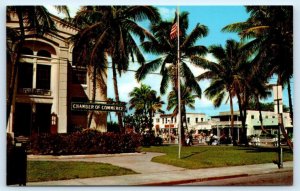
[
  {"x": 225, "y": 140},
  {"x": 86, "y": 142},
  {"x": 149, "y": 139}
]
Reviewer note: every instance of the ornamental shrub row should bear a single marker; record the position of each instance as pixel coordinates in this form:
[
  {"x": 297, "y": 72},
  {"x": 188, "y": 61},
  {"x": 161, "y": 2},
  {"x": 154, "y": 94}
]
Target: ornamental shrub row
[{"x": 86, "y": 142}]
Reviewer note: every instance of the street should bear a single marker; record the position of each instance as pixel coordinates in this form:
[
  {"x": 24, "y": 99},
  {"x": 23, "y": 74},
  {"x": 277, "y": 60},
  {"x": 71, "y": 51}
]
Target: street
[{"x": 272, "y": 179}]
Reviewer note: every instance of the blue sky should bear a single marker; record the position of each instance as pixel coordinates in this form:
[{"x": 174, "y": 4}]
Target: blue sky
[{"x": 215, "y": 18}]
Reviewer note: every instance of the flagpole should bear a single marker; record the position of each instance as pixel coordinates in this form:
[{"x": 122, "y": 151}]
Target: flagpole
[{"x": 179, "y": 91}]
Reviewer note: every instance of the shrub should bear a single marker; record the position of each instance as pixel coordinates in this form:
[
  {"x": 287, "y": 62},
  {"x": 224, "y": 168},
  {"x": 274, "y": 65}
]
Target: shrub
[{"x": 86, "y": 142}]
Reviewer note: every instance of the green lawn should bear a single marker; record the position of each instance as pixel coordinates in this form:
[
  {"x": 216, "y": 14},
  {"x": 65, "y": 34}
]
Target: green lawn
[
  {"x": 215, "y": 156},
  {"x": 52, "y": 170}
]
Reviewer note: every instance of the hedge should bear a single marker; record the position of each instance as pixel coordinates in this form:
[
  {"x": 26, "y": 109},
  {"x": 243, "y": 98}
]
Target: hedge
[{"x": 86, "y": 142}]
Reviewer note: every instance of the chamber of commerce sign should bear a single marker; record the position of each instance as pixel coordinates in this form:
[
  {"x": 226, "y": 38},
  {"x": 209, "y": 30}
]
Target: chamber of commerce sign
[{"x": 79, "y": 106}]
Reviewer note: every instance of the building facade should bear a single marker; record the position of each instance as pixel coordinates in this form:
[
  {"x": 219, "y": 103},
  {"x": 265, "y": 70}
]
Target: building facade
[
  {"x": 221, "y": 124},
  {"x": 162, "y": 122},
  {"x": 47, "y": 82}
]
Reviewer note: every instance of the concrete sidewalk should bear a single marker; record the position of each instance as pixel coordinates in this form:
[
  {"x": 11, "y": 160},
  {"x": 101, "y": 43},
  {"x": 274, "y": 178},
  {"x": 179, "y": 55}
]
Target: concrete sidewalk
[{"x": 152, "y": 173}]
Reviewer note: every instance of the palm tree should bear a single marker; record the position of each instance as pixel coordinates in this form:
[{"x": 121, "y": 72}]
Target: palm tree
[
  {"x": 259, "y": 90},
  {"x": 160, "y": 44},
  {"x": 145, "y": 102},
  {"x": 269, "y": 32},
  {"x": 187, "y": 99},
  {"x": 109, "y": 29},
  {"x": 224, "y": 75},
  {"x": 31, "y": 20}
]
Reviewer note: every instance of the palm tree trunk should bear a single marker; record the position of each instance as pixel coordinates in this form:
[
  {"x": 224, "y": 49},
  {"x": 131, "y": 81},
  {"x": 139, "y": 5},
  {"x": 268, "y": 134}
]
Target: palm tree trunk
[
  {"x": 285, "y": 135},
  {"x": 244, "y": 138},
  {"x": 150, "y": 121},
  {"x": 260, "y": 114},
  {"x": 182, "y": 127},
  {"x": 246, "y": 98},
  {"x": 122, "y": 130},
  {"x": 231, "y": 115},
  {"x": 93, "y": 96},
  {"x": 290, "y": 100},
  {"x": 15, "y": 64}
]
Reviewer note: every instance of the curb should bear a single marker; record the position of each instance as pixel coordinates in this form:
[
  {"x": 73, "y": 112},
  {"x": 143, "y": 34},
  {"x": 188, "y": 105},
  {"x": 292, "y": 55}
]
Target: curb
[{"x": 176, "y": 182}]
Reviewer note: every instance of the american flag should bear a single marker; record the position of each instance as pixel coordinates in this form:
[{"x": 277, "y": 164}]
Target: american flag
[{"x": 173, "y": 33}]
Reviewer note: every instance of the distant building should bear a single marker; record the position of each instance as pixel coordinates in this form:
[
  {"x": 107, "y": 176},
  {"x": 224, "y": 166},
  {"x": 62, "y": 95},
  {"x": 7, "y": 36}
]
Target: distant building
[
  {"x": 162, "y": 122},
  {"x": 47, "y": 83},
  {"x": 221, "y": 124}
]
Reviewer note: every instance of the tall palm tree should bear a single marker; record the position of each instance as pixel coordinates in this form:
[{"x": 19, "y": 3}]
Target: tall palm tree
[
  {"x": 269, "y": 32},
  {"x": 145, "y": 102},
  {"x": 31, "y": 20},
  {"x": 187, "y": 100},
  {"x": 259, "y": 90},
  {"x": 165, "y": 48},
  {"x": 112, "y": 29},
  {"x": 224, "y": 75}
]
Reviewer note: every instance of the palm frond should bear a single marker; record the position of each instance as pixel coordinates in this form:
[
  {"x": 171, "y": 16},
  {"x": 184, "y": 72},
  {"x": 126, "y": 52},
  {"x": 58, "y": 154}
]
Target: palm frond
[{"x": 148, "y": 67}]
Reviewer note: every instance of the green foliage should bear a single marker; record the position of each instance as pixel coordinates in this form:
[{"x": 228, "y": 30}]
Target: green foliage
[
  {"x": 166, "y": 48},
  {"x": 86, "y": 142},
  {"x": 138, "y": 122},
  {"x": 113, "y": 127},
  {"x": 265, "y": 106},
  {"x": 52, "y": 170},
  {"x": 145, "y": 102}
]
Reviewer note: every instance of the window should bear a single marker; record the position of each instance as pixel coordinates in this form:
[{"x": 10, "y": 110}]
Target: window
[
  {"x": 188, "y": 120},
  {"x": 196, "y": 120},
  {"x": 252, "y": 116},
  {"x": 44, "y": 53},
  {"x": 267, "y": 117},
  {"x": 25, "y": 75},
  {"x": 43, "y": 77},
  {"x": 201, "y": 119},
  {"x": 157, "y": 120},
  {"x": 78, "y": 76},
  {"x": 26, "y": 51},
  {"x": 171, "y": 119},
  {"x": 273, "y": 116}
]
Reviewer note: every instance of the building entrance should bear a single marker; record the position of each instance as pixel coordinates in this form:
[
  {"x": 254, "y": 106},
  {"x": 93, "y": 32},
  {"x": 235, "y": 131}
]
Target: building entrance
[
  {"x": 43, "y": 118},
  {"x": 32, "y": 119},
  {"x": 23, "y": 119}
]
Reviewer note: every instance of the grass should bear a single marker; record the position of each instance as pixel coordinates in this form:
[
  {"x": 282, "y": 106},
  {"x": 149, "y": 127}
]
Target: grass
[
  {"x": 53, "y": 170},
  {"x": 215, "y": 156}
]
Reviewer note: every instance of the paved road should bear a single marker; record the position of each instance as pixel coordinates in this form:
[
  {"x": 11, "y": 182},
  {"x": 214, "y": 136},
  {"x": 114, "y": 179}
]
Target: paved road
[{"x": 270, "y": 179}]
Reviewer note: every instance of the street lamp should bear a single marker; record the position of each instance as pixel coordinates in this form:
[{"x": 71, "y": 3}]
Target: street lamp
[{"x": 277, "y": 91}]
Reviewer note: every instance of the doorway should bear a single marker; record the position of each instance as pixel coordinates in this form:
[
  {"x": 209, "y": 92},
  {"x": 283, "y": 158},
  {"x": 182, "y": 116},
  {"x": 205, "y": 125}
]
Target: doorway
[{"x": 23, "y": 119}]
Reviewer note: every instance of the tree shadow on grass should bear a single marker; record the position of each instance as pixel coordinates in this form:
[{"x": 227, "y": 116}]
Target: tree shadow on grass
[{"x": 194, "y": 153}]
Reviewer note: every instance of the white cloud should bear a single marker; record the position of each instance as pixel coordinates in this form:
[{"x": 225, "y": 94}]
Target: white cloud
[
  {"x": 125, "y": 87},
  {"x": 72, "y": 10},
  {"x": 167, "y": 13}
]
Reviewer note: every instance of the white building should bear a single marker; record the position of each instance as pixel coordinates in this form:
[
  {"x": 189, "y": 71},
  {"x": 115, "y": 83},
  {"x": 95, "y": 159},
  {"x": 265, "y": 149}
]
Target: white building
[
  {"x": 162, "y": 122},
  {"x": 47, "y": 83},
  {"x": 221, "y": 124}
]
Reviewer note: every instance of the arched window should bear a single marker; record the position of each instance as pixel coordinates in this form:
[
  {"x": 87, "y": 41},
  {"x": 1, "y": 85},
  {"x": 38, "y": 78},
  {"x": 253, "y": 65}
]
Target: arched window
[
  {"x": 26, "y": 51},
  {"x": 44, "y": 53}
]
